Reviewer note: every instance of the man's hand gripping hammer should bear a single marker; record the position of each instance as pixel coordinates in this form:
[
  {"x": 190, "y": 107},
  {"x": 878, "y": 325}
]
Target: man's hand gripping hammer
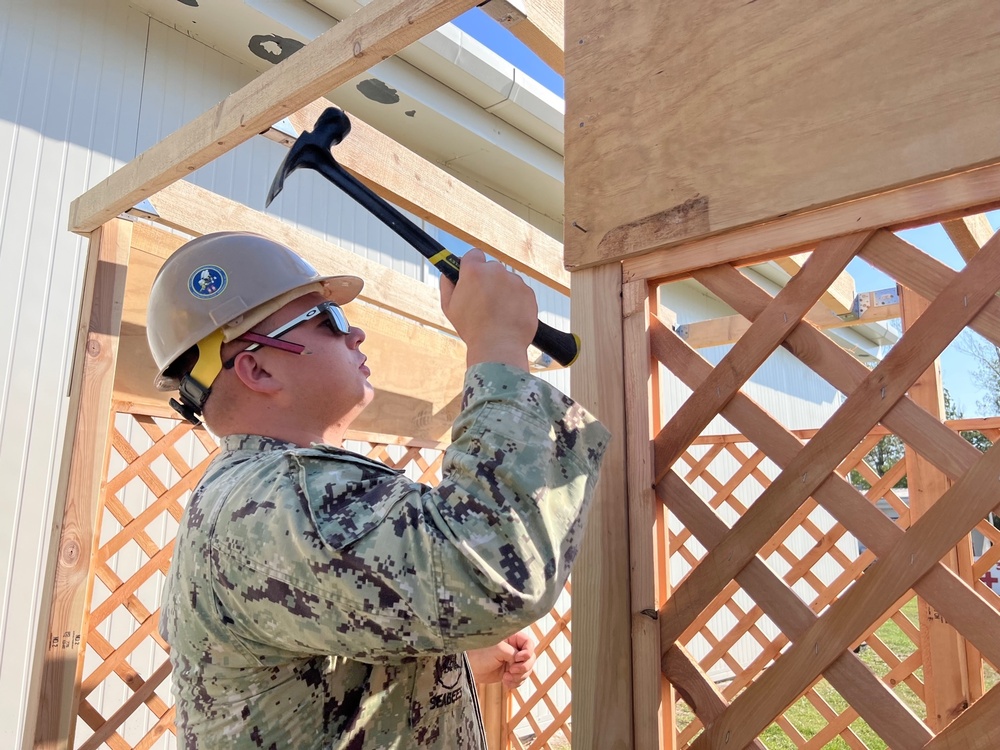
[{"x": 312, "y": 150}]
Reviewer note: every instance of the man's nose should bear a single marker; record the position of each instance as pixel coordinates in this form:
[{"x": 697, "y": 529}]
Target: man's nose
[{"x": 356, "y": 337}]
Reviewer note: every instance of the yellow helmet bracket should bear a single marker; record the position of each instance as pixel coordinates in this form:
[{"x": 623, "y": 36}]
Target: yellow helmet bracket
[{"x": 193, "y": 389}]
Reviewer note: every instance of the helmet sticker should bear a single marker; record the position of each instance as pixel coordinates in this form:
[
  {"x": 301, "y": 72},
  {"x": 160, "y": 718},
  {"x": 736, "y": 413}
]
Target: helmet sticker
[{"x": 207, "y": 282}]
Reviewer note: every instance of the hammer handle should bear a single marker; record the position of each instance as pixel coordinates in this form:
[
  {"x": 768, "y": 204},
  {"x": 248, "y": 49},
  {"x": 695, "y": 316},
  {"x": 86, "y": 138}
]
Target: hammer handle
[{"x": 563, "y": 347}]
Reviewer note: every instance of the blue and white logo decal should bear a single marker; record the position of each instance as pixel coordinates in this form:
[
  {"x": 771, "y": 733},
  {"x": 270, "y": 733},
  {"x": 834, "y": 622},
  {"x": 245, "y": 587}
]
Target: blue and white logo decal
[{"x": 207, "y": 282}]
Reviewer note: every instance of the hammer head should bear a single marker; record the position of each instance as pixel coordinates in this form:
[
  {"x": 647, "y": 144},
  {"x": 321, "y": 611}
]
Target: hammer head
[{"x": 312, "y": 148}]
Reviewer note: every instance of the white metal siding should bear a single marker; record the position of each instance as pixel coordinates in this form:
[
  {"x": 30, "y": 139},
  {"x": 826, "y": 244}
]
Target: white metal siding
[{"x": 69, "y": 81}]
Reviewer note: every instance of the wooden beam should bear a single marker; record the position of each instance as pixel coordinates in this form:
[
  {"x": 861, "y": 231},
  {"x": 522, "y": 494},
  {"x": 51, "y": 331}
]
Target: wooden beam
[
  {"x": 537, "y": 23},
  {"x": 602, "y": 653},
  {"x": 87, "y": 441},
  {"x": 194, "y": 210},
  {"x": 944, "y": 650},
  {"x": 361, "y": 40},
  {"x": 839, "y": 298},
  {"x": 726, "y": 330},
  {"x": 661, "y": 258},
  {"x": 494, "y": 703},
  {"x": 417, "y": 185},
  {"x": 653, "y": 710},
  {"x": 968, "y": 233}
]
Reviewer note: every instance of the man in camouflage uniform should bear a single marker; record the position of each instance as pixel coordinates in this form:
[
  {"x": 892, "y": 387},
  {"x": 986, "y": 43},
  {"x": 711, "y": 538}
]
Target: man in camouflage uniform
[{"x": 317, "y": 598}]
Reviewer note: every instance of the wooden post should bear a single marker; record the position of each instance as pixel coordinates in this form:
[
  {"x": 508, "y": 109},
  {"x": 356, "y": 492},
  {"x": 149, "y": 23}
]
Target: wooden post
[
  {"x": 653, "y": 707},
  {"x": 494, "y": 703},
  {"x": 602, "y": 629},
  {"x": 948, "y": 670},
  {"x": 87, "y": 439}
]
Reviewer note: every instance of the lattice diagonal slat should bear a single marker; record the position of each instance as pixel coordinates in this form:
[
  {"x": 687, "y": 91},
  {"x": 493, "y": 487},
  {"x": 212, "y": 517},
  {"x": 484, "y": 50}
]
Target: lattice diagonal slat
[
  {"x": 125, "y": 699},
  {"x": 755, "y": 525}
]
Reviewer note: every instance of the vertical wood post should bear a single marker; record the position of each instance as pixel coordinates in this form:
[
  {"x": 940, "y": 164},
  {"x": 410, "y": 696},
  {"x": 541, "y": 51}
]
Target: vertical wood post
[
  {"x": 87, "y": 445},
  {"x": 946, "y": 657},
  {"x": 653, "y": 705},
  {"x": 494, "y": 702},
  {"x": 602, "y": 628}
]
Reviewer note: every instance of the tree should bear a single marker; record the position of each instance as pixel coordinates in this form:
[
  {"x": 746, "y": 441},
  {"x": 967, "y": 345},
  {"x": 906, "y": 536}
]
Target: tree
[
  {"x": 890, "y": 449},
  {"x": 987, "y": 372}
]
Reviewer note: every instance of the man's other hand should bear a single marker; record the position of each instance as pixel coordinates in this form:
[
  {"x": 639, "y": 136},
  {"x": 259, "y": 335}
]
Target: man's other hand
[{"x": 509, "y": 661}]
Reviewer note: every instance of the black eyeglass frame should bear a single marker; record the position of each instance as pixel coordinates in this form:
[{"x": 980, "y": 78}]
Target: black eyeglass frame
[{"x": 335, "y": 317}]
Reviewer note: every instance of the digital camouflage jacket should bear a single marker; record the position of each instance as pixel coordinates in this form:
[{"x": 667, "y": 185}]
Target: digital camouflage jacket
[{"x": 319, "y": 599}]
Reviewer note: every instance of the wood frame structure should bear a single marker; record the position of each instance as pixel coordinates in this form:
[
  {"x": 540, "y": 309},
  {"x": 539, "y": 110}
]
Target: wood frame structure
[
  {"x": 108, "y": 374},
  {"x": 630, "y": 625}
]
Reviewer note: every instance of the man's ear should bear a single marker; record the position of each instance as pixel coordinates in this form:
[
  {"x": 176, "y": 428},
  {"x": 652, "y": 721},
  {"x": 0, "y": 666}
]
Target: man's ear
[{"x": 252, "y": 373}]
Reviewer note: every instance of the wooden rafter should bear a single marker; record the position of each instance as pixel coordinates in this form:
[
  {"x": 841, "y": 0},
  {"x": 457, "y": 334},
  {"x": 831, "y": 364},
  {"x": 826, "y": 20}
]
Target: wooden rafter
[
  {"x": 725, "y": 330},
  {"x": 838, "y": 299},
  {"x": 366, "y": 37},
  {"x": 537, "y": 23}
]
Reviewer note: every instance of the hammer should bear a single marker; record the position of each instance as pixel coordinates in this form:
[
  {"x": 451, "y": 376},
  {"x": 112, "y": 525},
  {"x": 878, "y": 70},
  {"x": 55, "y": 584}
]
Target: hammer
[{"x": 312, "y": 150}]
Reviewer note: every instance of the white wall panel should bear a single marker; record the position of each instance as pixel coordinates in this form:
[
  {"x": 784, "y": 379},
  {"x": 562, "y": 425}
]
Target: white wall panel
[{"x": 69, "y": 81}]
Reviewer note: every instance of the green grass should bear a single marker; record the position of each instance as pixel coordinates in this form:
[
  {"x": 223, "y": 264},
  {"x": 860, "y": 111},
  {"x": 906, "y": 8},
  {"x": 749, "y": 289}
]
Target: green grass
[{"x": 807, "y": 720}]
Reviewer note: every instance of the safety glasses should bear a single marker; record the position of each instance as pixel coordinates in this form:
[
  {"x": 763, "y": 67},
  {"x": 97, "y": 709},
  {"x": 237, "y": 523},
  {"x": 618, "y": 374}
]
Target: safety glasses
[{"x": 334, "y": 318}]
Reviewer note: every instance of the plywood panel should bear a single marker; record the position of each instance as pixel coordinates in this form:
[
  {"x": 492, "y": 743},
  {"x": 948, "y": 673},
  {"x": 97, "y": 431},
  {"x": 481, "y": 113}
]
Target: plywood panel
[{"x": 689, "y": 118}]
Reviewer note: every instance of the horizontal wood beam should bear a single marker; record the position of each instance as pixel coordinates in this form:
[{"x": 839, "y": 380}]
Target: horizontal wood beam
[
  {"x": 375, "y": 32},
  {"x": 839, "y": 298},
  {"x": 415, "y": 184},
  {"x": 197, "y": 211},
  {"x": 726, "y": 330},
  {"x": 660, "y": 259},
  {"x": 537, "y": 23}
]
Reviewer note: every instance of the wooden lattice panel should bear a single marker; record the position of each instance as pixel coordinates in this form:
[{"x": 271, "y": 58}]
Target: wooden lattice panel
[
  {"x": 768, "y": 596},
  {"x": 125, "y": 700},
  {"x": 125, "y": 697},
  {"x": 540, "y": 712}
]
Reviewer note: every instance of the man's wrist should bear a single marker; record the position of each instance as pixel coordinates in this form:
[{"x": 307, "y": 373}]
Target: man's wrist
[{"x": 513, "y": 355}]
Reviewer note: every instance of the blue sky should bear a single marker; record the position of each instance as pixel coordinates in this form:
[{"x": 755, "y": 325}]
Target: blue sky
[
  {"x": 479, "y": 25},
  {"x": 956, "y": 367}
]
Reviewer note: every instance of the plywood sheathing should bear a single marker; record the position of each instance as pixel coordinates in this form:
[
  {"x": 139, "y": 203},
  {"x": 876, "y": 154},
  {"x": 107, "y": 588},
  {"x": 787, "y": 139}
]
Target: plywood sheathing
[{"x": 690, "y": 119}]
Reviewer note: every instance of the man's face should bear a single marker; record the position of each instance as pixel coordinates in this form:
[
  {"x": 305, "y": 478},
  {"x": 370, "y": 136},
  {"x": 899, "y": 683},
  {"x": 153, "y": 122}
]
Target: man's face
[{"x": 328, "y": 381}]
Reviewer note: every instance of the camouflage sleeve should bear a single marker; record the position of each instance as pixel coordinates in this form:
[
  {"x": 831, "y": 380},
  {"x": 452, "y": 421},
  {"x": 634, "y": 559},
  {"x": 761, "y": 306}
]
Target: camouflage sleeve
[{"x": 388, "y": 568}]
